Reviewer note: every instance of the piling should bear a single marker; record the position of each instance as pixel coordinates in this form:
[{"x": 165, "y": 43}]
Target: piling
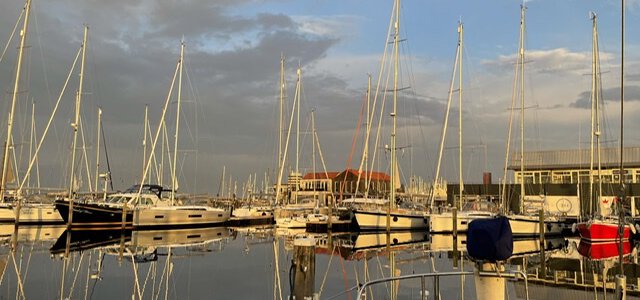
[
  {"x": 542, "y": 241},
  {"x": 621, "y": 286},
  {"x": 454, "y": 231},
  {"x": 303, "y": 268}
]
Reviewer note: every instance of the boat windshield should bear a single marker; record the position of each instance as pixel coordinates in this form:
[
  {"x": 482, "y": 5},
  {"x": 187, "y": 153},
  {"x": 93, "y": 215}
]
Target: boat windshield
[
  {"x": 129, "y": 199},
  {"x": 117, "y": 199},
  {"x": 480, "y": 206},
  {"x": 405, "y": 204}
]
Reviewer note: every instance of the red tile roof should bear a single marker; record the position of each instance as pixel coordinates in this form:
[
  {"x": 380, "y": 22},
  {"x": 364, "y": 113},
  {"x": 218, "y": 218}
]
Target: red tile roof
[
  {"x": 321, "y": 175},
  {"x": 376, "y": 176}
]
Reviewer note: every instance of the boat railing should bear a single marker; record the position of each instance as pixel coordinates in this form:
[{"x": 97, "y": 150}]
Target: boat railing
[{"x": 435, "y": 276}]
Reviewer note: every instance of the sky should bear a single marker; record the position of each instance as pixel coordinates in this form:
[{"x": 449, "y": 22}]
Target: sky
[{"x": 231, "y": 92}]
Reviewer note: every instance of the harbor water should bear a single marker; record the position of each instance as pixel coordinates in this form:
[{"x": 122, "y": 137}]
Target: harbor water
[{"x": 47, "y": 262}]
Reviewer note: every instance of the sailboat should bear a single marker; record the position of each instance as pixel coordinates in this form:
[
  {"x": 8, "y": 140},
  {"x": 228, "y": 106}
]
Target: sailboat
[
  {"x": 523, "y": 224},
  {"x": 296, "y": 212},
  {"x": 599, "y": 229},
  {"x": 292, "y": 214},
  {"x": 144, "y": 206},
  {"x": 387, "y": 214},
  {"x": 444, "y": 221},
  {"x": 17, "y": 211}
]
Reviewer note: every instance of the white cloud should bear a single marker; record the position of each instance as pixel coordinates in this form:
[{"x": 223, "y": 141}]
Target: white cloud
[
  {"x": 559, "y": 60},
  {"x": 336, "y": 26}
]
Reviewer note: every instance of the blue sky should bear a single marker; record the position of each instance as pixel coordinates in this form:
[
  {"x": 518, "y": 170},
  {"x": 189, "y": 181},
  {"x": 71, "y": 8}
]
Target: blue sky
[{"x": 491, "y": 26}]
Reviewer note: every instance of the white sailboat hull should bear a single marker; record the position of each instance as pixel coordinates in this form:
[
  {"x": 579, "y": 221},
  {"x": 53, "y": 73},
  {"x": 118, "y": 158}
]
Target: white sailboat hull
[
  {"x": 530, "y": 226},
  {"x": 301, "y": 221},
  {"x": 444, "y": 242},
  {"x": 443, "y": 223},
  {"x": 31, "y": 213},
  {"x": 290, "y": 222},
  {"x": 377, "y": 220},
  {"x": 179, "y": 216}
]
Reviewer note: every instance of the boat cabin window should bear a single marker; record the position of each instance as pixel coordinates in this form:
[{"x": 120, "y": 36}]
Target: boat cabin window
[{"x": 480, "y": 206}]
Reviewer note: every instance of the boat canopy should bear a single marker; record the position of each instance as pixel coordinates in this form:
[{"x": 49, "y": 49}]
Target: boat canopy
[{"x": 147, "y": 189}]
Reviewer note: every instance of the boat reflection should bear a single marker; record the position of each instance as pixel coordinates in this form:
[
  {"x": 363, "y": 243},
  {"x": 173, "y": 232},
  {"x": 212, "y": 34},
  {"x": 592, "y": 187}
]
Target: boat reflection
[
  {"x": 579, "y": 269},
  {"x": 603, "y": 251},
  {"x": 9, "y": 233},
  {"x": 137, "y": 241}
]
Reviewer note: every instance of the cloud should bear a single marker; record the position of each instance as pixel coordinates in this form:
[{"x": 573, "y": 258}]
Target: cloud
[
  {"x": 133, "y": 48},
  {"x": 554, "y": 61},
  {"x": 631, "y": 93},
  {"x": 231, "y": 87},
  {"x": 337, "y": 26}
]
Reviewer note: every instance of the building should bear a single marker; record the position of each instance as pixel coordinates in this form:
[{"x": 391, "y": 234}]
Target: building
[
  {"x": 347, "y": 185},
  {"x": 572, "y": 166},
  {"x": 321, "y": 185},
  {"x": 547, "y": 171}
]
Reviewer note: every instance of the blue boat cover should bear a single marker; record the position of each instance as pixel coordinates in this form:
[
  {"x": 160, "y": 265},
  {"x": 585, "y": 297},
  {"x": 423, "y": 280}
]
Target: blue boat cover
[{"x": 490, "y": 239}]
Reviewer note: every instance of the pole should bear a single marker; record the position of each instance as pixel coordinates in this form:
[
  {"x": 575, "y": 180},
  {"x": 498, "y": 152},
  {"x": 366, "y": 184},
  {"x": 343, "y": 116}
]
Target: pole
[{"x": 98, "y": 150}]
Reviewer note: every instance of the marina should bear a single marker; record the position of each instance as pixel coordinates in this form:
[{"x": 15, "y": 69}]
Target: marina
[{"x": 234, "y": 150}]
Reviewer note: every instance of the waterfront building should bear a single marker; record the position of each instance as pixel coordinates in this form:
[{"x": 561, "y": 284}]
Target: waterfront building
[{"x": 572, "y": 166}]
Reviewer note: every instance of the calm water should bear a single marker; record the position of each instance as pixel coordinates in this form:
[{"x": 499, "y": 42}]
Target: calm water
[{"x": 262, "y": 263}]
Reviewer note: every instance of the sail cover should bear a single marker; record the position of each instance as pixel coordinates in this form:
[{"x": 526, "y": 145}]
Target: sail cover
[{"x": 490, "y": 239}]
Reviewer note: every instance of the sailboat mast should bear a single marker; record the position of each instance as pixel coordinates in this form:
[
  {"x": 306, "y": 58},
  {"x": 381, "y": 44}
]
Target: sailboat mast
[
  {"x": 280, "y": 116},
  {"x": 75, "y": 129},
  {"x": 299, "y": 88},
  {"x": 392, "y": 194},
  {"x": 98, "y": 151},
  {"x": 521, "y": 53},
  {"x": 31, "y": 138},
  {"x": 460, "y": 45},
  {"x": 366, "y": 144},
  {"x": 597, "y": 116},
  {"x": 622, "y": 175},
  {"x": 313, "y": 148},
  {"x": 76, "y": 123},
  {"x": 593, "y": 111},
  {"x": 286, "y": 144},
  {"x": 144, "y": 139},
  {"x": 174, "y": 180},
  {"x": 7, "y": 145},
  {"x": 445, "y": 125},
  {"x": 595, "y": 122},
  {"x": 221, "y": 185}
]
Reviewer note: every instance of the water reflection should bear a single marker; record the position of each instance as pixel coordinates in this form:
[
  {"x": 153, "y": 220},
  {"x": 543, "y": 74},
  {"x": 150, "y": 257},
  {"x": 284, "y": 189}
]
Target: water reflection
[{"x": 263, "y": 263}]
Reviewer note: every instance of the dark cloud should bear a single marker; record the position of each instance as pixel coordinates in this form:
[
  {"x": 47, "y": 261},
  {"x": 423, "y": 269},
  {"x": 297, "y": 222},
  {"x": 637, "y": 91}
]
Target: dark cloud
[
  {"x": 232, "y": 63},
  {"x": 631, "y": 93}
]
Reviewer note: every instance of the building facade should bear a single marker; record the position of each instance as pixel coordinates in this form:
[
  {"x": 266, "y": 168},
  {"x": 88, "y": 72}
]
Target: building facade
[{"x": 572, "y": 166}]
